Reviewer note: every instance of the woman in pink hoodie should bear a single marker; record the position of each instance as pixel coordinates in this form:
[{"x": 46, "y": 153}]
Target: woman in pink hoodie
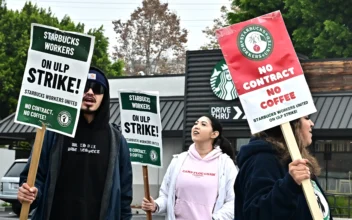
[{"x": 198, "y": 184}]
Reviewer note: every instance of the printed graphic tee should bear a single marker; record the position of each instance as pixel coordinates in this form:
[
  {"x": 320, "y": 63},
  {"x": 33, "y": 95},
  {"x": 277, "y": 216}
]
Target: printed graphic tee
[
  {"x": 197, "y": 186},
  {"x": 82, "y": 175}
]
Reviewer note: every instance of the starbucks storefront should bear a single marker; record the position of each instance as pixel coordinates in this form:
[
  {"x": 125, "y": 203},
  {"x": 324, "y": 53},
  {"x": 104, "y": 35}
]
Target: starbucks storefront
[{"x": 209, "y": 90}]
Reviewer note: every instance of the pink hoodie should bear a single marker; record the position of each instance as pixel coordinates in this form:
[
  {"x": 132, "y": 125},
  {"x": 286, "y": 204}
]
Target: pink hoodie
[{"x": 197, "y": 186}]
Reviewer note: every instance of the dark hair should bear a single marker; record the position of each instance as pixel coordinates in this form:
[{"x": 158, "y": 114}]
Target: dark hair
[
  {"x": 275, "y": 137},
  {"x": 220, "y": 140}
]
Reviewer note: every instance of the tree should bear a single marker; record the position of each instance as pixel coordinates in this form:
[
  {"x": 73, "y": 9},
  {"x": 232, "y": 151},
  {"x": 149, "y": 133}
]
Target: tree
[
  {"x": 15, "y": 28},
  {"x": 152, "y": 33},
  {"x": 218, "y": 23},
  {"x": 100, "y": 57},
  {"x": 172, "y": 65},
  {"x": 319, "y": 29}
]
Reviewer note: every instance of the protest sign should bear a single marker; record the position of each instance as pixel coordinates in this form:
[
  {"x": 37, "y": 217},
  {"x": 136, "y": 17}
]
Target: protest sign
[
  {"x": 141, "y": 126},
  {"x": 54, "y": 79},
  {"x": 52, "y": 87},
  {"x": 266, "y": 71},
  {"x": 269, "y": 80}
]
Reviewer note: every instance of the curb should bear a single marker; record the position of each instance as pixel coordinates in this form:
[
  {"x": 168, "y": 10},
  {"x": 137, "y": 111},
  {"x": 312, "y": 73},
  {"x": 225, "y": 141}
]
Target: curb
[
  {"x": 5, "y": 209},
  {"x": 138, "y": 211}
]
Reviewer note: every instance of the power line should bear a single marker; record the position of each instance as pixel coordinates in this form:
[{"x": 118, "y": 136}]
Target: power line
[
  {"x": 112, "y": 8},
  {"x": 112, "y": 19},
  {"x": 97, "y": 24},
  {"x": 93, "y": 19},
  {"x": 125, "y": 3},
  {"x": 135, "y": 2}
]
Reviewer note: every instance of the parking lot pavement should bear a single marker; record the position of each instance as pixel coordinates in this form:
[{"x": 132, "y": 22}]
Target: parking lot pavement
[
  {"x": 8, "y": 216},
  {"x": 155, "y": 217},
  {"x": 12, "y": 216}
]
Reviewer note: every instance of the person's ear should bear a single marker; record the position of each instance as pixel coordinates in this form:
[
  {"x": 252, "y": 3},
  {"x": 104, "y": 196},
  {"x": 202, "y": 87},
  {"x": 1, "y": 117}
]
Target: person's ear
[{"x": 214, "y": 134}]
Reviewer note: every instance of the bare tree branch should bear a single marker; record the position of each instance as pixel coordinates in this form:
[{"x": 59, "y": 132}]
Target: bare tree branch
[{"x": 150, "y": 38}]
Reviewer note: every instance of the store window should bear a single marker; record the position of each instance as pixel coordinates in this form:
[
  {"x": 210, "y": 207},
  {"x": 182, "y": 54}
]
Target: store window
[
  {"x": 334, "y": 157},
  {"x": 240, "y": 142}
]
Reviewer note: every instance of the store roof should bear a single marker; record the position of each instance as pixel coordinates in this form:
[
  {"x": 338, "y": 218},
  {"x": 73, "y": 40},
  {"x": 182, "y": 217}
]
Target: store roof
[
  {"x": 334, "y": 111},
  {"x": 166, "y": 85}
]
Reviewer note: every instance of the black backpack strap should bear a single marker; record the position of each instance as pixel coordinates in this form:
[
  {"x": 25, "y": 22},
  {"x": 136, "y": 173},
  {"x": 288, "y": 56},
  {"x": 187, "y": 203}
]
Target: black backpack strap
[{"x": 115, "y": 126}]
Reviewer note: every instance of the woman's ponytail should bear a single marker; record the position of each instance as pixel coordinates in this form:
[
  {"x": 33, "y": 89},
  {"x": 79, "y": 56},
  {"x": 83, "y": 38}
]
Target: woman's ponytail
[
  {"x": 221, "y": 141},
  {"x": 226, "y": 147}
]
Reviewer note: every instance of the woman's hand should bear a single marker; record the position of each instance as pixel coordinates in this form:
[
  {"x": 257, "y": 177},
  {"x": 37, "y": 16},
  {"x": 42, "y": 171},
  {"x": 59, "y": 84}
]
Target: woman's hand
[
  {"x": 299, "y": 171},
  {"x": 149, "y": 205}
]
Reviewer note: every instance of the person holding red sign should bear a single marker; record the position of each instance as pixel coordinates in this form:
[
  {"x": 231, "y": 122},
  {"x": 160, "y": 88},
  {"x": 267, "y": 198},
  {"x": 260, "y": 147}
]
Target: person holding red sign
[
  {"x": 198, "y": 184},
  {"x": 268, "y": 185}
]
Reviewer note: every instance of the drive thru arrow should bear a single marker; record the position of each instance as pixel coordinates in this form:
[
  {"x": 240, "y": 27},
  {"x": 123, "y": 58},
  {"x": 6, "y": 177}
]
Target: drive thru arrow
[{"x": 239, "y": 112}]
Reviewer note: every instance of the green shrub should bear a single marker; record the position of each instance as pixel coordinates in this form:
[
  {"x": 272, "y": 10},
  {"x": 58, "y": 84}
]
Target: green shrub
[
  {"x": 339, "y": 206},
  {"x": 6, "y": 204}
]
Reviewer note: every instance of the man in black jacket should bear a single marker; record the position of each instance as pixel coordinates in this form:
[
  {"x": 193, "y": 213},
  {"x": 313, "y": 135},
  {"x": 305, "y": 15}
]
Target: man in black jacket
[{"x": 88, "y": 176}]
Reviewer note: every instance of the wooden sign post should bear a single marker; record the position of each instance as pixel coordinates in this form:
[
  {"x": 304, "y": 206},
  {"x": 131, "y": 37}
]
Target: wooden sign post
[
  {"x": 146, "y": 189},
  {"x": 306, "y": 184},
  {"x": 37, "y": 149}
]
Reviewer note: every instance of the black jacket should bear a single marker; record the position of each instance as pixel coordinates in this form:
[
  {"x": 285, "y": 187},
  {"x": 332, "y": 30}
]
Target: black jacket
[
  {"x": 117, "y": 192},
  {"x": 265, "y": 190}
]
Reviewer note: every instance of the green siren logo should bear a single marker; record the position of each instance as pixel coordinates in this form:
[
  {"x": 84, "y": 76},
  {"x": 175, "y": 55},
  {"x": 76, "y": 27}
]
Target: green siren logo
[
  {"x": 221, "y": 82},
  {"x": 64, "y": 118},
  {"x": 153, "y": 155},
  {"x": 255, "y": 42}
]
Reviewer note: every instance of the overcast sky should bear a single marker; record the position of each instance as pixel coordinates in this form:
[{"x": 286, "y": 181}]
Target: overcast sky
[{"x": 195, "y": 15}]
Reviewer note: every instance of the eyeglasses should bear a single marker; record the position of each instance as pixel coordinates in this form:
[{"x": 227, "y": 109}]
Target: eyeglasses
[{"x": 96, "y": 87}]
